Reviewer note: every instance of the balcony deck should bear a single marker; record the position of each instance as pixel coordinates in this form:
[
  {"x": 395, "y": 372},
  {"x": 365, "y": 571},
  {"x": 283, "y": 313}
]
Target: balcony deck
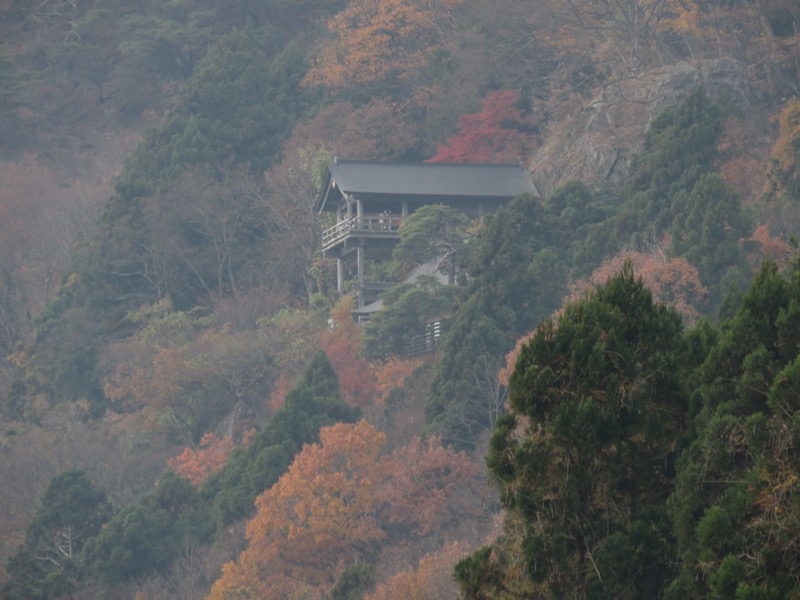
[{"x": 366, "y": 227}]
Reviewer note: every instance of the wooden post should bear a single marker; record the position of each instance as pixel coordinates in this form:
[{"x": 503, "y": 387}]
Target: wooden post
[
  {"x": 360, "y": 262},
  {"x": 360, "y": 253},
  {"x": 340, "y": 276}
]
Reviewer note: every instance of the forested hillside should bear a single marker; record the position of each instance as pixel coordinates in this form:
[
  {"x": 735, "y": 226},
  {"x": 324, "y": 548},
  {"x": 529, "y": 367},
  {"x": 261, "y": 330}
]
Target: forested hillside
[{"x": 188, "y": 410}]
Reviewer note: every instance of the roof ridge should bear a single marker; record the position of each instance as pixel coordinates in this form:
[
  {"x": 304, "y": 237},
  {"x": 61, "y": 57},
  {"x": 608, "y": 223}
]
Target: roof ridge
[{"x": 340, "y": 161}]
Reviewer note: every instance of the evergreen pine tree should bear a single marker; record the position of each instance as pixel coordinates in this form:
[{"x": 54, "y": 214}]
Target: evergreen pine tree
[
  {"x": 500, "y": 303},
  {"x": 314, "y": 402},
  {"x": 146, "y": 537},
  {"x": 51, "y": 561},
  {"x": 735, "y": 508},
  {"x": 584, "y": 459},
  {"x": 679, "y": 148},
  {"x": 708, "y": 234}
]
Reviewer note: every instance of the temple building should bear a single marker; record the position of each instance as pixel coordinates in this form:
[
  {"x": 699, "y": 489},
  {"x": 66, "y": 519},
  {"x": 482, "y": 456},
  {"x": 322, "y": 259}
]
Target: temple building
[{"x": 370, "y": 199}]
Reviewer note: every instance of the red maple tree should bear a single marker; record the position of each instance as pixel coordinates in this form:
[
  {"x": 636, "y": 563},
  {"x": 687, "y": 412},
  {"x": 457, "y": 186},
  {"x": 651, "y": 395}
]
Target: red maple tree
[{"x": 500, "y": 133}]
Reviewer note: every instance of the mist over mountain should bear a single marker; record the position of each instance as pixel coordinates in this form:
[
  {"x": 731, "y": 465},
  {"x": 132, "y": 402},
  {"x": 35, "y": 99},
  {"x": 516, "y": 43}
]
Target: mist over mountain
[{"x": 188, "y": 408}]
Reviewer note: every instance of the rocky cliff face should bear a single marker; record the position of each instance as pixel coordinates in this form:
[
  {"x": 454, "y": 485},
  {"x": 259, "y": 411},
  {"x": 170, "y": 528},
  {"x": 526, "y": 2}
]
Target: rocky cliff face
[{"x": 596, "y": 142}]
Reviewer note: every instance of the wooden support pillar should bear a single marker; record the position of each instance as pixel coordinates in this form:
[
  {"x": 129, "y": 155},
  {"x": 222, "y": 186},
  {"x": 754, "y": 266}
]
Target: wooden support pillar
[
  {"x": 360, "y": 262},
  {"x": 340, "y": 276}
]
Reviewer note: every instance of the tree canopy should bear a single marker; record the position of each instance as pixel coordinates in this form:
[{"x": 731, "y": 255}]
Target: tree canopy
[
  {"x": 500, "y": 133},
  {"x": 517, "y": 276},
  {"x": 167, "y": 306},
  {"x": 733, "y": 501},
  {"x": 583, "y": 459},
  {"x": 337, "y": 504},
  {"x": 51, "y": 562}
]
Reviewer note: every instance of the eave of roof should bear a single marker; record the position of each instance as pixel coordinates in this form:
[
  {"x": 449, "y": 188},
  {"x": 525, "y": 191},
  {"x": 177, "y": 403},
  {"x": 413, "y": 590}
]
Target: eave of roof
[{"x": 426, "y": 179}]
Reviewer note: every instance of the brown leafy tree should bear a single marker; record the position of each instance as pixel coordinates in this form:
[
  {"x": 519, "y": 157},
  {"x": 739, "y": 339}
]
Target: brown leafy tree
[
  {"x": 783, "y": 174},
  {"x": 340, "y": 501},
  {"x": 630, "y": 31},
  {"x": 378, "y": 130},
  {"x": 671, "y": 280},
  {"x": 185, "y": 374},
  {"x": 382, "y": 47},
  {"x": 342, "y": 344},
  {"x": 198, "y": 463},
  {"x": 420, "y": 485},
  {"x": 318, "y": 517},
  {"x": 431, "y": 580},
  {"x": 392, "y": 374},
  {"x": 207, "y": 231},
  {"x": 774, "y": 248},
  {"x": 289, "y": 195},
  {"x": 42, "y": 219}
]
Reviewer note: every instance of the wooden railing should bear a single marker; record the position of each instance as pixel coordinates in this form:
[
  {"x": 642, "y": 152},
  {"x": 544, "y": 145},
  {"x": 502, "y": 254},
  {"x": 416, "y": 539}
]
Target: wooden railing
[
  {"x": 426, "y": 340},
  {"x": 374, "y": 225},
  {"x": 332, "y": 236}
]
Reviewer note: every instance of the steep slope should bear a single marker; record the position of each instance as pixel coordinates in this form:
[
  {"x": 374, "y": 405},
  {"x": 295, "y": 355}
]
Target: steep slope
[{"x": 597, "y": 141}]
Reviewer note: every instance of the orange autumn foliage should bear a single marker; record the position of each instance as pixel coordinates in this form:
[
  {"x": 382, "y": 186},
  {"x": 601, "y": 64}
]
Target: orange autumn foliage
[
  {"x": 771, "y": 247},
  {"x": 674, "y": 281},
  {"x": 419, "y": 485},
  {"x": 356, "y": 380},
  {"x": 337, "y": 504},
  {"x": 391, "y": 374},
  {"x": 431, "y": 580},
  {"x": 785, "y": 163},
  {"x": 511, "y": 358},
  {"x": 742, "y": 152},
  {"x": 342, "y": 344},
  {"x": 361, "y": 383},
  {"x": 377, "y": 130},
  {"x": 381, "y": 45},
  {"x": 176, "y": 368},
  {"x": 278, "y": 395},
  {"x": 197, "y": 464},
  {"x": 314, "y": 520},
  {"x": 745, "y": 175},
  {"x": 616, "y": 34}
]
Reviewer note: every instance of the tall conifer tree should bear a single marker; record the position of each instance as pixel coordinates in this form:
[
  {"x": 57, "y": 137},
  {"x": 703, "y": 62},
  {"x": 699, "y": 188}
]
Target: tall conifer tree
[
  {"x": 583, "y": 460},
  {"x": 735, "y": 506}
]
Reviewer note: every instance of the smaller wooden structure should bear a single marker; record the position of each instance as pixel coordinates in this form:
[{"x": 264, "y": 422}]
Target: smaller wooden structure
[{"x": 371, "y": 199}]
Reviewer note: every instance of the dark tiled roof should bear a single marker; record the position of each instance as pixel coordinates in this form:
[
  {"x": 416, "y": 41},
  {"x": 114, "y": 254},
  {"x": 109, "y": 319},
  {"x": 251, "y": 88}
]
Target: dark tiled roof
[{"x": 427, "y": 179}]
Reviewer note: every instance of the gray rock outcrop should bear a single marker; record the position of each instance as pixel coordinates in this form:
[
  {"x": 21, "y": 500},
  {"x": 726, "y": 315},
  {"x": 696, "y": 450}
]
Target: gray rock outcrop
[{"x": 596, "y": 144}]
